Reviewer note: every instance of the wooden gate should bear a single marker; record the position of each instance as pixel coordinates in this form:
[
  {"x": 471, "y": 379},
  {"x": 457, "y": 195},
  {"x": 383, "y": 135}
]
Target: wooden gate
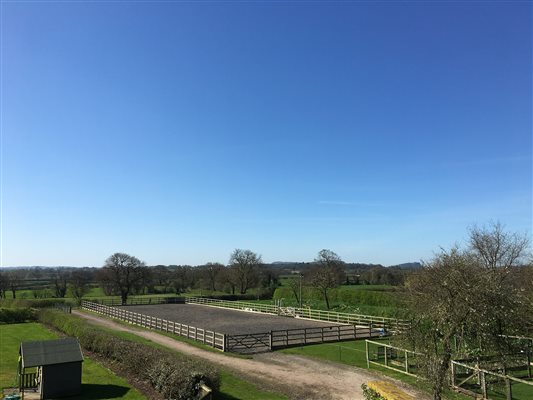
[{"x": 249, "y": 343}]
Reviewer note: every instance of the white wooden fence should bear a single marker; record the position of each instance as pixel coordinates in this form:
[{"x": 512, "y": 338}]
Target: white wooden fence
[
  {"x": 389, "y": 324},
  {"x": 210, "y": 338}
]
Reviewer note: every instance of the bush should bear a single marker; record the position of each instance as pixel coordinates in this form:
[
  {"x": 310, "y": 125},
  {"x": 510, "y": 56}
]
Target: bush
[
  {"x": 174, "y": 376},
  {"x": 32, "y": 303},
  {"x": 17, "y": 315},
  {"x": 371, "y": 394}
]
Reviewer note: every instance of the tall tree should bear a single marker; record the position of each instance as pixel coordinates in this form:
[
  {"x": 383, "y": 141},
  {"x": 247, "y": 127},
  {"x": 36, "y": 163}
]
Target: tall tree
[
  {"x": 245, "y": 266},
  {"x": 79, "y": 284},
  {"x": 122, "y": 272},
  {"x": 497, "y": 248},
  {"x": 328, "y": 273},
  {"x": 60, "y": 282},
  {"x": 212, "y": 273},
  {"x": 4, "y": 284},
  {"x": 467, "y": 297}
]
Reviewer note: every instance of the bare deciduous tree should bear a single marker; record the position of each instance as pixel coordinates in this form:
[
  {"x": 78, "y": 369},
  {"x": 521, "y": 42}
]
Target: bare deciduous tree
[
  {"x": 122, "y": 272},
  {"x": 60, "y": 283},
  {"x": 497, "y": 248},
  {"x": 245, "y": 266},
  {"x": 469, "y": 299},
  {"x": 212, "y": 273},
  {"x": 328, "y": 273},
  {"x": 79, "y": 284}
]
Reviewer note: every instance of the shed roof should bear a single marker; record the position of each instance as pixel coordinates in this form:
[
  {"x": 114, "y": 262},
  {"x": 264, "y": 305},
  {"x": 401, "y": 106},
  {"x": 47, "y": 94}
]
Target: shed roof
[{"x": 47, "y": 352}]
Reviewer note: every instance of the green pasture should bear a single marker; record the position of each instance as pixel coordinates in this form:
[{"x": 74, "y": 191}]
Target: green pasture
[{"x": 97, "y": 381}]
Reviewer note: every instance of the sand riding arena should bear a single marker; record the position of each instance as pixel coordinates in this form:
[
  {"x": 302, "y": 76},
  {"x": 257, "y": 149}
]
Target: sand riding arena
[{"x": 245, "y": 327}]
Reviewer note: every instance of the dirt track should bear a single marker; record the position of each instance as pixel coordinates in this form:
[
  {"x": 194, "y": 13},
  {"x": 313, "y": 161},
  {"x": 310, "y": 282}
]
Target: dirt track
[{"x": 298, "y": 377}]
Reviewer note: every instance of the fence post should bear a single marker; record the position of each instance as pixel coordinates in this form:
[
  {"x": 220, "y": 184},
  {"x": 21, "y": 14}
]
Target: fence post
[
  {"x": 366, "y": 351},
  {"x": 509, "y": 391},
  {"x": 407, "y": 364},
  {"x": 483, "y": 383},
  {"x": 529, "y": 363},
  {"x": 270, "y": 341}
]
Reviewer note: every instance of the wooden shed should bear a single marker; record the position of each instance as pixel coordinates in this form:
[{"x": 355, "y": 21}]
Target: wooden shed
[{"x": 56, "y": 367}]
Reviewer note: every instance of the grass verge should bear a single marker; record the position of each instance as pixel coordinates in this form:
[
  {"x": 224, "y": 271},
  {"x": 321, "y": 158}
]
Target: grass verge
[{"x": 97, "y": 381}]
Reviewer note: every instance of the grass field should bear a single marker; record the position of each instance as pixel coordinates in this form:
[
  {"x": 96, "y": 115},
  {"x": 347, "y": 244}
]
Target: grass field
[{"x": 98, "y": 382}]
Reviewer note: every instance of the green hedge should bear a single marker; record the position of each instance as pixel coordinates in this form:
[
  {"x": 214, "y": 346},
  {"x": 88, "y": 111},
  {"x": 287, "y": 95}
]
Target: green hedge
[
  {"x": 33, "y": 303},
  {"x": 17, "y": 315},
  {"x": 346, "y": 296},
  {"x": 174, "y": 376}
]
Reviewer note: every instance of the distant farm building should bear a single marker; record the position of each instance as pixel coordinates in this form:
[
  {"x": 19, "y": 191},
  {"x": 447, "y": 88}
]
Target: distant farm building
[{"x": 55, "y": 367}]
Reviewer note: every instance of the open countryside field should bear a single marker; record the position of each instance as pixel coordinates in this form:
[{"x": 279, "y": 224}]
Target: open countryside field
[{"x": 98, "y": 382}]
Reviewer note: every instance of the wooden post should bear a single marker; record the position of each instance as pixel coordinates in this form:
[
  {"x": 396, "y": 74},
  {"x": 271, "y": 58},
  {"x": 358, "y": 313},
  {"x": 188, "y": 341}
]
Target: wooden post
[
  {"x": 270, "y": 341},
  {"x": 367, "y": 360},
  {"x": 385, "y": 352},
  {"x": 528, "y": 363},
  {"x": 452, "y": 374},
  {"x": 407, "y": 363},
  {"x": 509, "y": 391},
  {"x": 483, "y": 383}
]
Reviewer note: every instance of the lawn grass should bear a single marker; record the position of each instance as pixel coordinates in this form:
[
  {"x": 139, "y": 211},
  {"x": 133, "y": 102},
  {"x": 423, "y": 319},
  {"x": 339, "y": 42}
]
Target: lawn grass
[
  {"x": 97, "y": 381},
  {"x": 234, "y": 388}
]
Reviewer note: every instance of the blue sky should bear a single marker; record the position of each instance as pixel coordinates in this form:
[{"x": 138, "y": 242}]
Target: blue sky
[{"x": 179, "y": 131}]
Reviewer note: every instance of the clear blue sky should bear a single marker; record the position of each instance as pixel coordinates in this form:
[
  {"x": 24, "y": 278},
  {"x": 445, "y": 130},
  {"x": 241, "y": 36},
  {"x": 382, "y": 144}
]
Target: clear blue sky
[{"x": 179, "y": 131}]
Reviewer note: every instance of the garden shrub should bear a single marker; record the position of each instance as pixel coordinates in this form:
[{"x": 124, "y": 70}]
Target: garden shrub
[
  {"x": 371, "y": 394},
  {"x": 17, "y": 315},
  {"x": 173, "y": 375},
  {"x": 32, "y": 303}
]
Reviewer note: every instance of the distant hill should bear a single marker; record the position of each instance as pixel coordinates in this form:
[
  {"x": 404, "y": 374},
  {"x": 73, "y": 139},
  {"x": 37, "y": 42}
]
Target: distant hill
[{"x": 411, "y": 265}]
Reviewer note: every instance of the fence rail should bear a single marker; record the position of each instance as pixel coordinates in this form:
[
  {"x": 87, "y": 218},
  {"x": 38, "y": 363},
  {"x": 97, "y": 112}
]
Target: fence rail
[
  {"x": 474, "y": 377},
  {"x": 335, "y": 333},
  {"x": 394, "y": 358},
  {"x": 389, "y": 324},
  {"x": 138, "y": 301},
  {"x": 235, "y": 305},
  {"x": 213, "y": 339}
]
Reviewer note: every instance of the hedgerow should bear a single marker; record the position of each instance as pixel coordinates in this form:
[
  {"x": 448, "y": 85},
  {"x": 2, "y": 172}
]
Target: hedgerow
[
  {"x": 17, "y": 315},
  {"x": 345, "y": 295},
  {"x": 174, "y": 376}
]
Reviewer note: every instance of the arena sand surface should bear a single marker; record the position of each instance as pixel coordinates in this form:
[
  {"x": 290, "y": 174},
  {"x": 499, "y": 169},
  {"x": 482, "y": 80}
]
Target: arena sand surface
[{"x": 223, "y": 320}]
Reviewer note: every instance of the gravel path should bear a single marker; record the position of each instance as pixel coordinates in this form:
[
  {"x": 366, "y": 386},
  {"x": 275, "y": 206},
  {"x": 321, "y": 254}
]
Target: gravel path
[{"x": 298, "y": 377}]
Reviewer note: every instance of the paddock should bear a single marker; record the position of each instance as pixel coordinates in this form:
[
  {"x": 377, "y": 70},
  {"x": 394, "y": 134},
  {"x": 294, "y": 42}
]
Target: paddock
[
  {"x": 232, "y": 330},
  {"x": 230, "y": 322}
]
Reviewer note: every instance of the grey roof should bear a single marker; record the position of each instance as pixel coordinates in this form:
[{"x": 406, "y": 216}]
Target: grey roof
[{"x": 47, "y": 352}]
